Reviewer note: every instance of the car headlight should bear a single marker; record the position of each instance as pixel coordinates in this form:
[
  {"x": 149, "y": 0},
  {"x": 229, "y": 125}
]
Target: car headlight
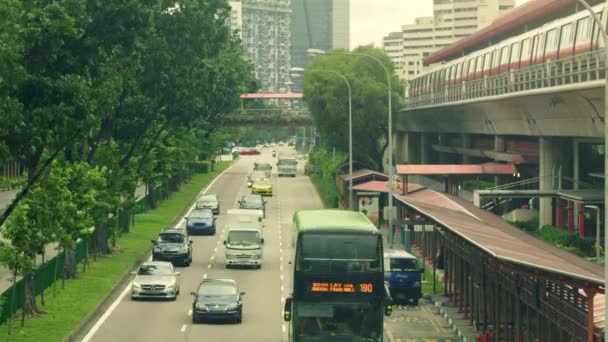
[
  {"x": 156, "y": 250},
  {"x": 232, "y": 306},
  {"x": 255, "y": 256},
  {"x": 136, "y": 286},
  {"x": 416, "y": 284},
  {"x": 183, "y": 249},
  {"x": 171, "y": 286},
  {"x": 200, "y": 306}
]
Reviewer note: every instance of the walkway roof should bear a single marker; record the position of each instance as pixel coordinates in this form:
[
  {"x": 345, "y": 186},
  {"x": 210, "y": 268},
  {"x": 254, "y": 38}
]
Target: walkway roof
[
  {"x": 382, "y": 186},
  {"x": 501, "y": 240},
  {"x": 363, "y": 173},
  {"x": 456, "y": 169}
]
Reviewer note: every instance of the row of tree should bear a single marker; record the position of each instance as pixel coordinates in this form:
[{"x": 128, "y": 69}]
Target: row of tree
[
  {"x": 98, "y": 96},
  {"x": 327, "y": 97}
]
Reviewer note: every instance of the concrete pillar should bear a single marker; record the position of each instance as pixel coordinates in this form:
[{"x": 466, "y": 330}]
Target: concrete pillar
[
  {"x": 466, "y": 143},
  {"x": 575, "y": 177},
  {"x": 499, "y": 146},
  {"x": 443, "y": 157},
  {"x": 425, "y": 148},
  {"x": 554, "y": 153}
]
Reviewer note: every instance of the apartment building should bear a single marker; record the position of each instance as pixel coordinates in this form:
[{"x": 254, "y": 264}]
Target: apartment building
[
  {"x": 392, "y": 44},
  {"x": 266, "y": 41},
  {"x": 236, "y": 17},
  {"x": 451, "y": 21}
]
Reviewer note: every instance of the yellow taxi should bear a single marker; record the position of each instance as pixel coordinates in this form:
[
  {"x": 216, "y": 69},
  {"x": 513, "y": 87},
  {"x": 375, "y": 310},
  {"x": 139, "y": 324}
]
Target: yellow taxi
[{"x": 262, "y": 187}]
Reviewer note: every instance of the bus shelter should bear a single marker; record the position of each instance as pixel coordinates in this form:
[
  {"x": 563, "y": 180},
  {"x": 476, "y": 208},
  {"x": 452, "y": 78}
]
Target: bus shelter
[{"x": 504, "y": 281}]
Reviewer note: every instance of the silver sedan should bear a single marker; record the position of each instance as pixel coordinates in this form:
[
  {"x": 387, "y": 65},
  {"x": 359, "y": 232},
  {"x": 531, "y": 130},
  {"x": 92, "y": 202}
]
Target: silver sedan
[{"x": 155, "y": 279}]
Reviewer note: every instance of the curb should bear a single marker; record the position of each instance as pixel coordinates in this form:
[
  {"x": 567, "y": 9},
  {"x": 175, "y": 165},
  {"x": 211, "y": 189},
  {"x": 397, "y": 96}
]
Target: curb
[
  {"x": 444, "y": 314},
  {"x": 85, "y": 325}
]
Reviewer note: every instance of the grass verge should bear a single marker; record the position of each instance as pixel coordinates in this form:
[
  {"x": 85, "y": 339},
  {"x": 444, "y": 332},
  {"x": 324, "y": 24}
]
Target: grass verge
[
  {"x": 427, "y": 284},
  {"x": 326, "y": 189},
  {"x": 72, "y": 304}
]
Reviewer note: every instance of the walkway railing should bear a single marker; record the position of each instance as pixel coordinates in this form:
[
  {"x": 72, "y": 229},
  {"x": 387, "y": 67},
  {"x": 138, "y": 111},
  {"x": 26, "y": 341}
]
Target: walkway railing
[{"x": 580, "y": 68}]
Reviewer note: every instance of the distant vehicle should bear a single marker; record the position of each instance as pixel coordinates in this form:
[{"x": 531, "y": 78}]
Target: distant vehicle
[
  {"x": 155, "y": 279},
  {"x": 253, "y": 202},
  {"x": 173, "y": 245},
  {"x": 244, "y": 241},
  {"x": 250, "y": 152},
  {"x": 274, "y": 153},
  {"x": 266, "y": 167},
  {"x": 262, "y": 187},
  {"x": 218, "y": 299},
  {"x": 256, "y": 176},
  {"x": 209, "y": 201},
  {"x": 338, "y": 277},
  {"x": 287, "y": 165},
  {"x": 402, "y": 273},
  {"x": 291, "y": 143},
  {"x": 201, "y": 221}
]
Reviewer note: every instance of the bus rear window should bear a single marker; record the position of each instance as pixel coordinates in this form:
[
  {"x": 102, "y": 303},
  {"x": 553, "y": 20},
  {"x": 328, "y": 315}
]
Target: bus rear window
[{"x": 339, "y": 253}]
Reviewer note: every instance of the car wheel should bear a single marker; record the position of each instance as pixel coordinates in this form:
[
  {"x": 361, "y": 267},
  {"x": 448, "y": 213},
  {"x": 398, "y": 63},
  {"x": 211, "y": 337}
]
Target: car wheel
[{"x": 227, "y": 266}]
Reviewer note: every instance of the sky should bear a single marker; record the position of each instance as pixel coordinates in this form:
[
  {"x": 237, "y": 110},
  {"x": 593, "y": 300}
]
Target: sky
[{"x": 370, "y": 20}]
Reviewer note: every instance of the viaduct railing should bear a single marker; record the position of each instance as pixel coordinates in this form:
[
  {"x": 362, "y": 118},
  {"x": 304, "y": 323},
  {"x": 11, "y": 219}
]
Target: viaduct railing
[{"x": 580, "y": 68}]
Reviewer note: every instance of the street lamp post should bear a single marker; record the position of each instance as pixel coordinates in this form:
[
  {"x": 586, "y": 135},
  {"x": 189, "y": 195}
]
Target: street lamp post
[
  {"x": 314, "y": 52},
  {"x": 602, "y": 29},
  {"x": 350, "y": 128}
]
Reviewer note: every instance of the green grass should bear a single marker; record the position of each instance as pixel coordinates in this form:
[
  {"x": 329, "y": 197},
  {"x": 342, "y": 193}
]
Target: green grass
[
  {"x": 82, "y": 295},
  {"x": 427, "y": 286},
  {"x": 326, "y": 189}
]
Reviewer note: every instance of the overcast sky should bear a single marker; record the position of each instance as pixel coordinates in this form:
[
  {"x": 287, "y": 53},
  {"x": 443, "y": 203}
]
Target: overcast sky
[{"x": 370, "y": 20}]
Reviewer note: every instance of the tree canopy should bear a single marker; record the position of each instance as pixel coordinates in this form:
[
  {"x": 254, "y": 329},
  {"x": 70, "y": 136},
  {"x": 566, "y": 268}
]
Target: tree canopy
[{"x": 327, "y": 97}]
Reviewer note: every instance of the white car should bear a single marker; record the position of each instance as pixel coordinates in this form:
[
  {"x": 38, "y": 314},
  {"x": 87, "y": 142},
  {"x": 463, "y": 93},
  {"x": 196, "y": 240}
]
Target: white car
[{"x": 155, "y": 279}]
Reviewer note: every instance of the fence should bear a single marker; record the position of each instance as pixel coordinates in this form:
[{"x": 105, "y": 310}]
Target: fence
[{"x": 44, "y": 277}]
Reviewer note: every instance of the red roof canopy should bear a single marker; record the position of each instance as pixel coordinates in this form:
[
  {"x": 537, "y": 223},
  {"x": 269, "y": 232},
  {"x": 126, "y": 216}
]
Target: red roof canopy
[
  {"x": 272, "y": 96},
  {"x": 441, "y": 169},
  {"x": 518, "y": 16}
]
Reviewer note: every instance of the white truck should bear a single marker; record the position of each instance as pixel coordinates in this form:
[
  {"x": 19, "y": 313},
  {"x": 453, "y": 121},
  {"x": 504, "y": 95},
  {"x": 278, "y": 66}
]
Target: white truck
[
  {"x": 286, "y": 165},
  {"x": 245, "y": 238}
]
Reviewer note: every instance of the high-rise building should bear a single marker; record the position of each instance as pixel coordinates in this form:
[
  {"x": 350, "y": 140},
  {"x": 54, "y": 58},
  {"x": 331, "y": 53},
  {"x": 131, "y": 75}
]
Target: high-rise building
[
  {"x": 319, "y": 24},
  {"x": 392, "y": 44},
  {"x": 236, "y": 17},
  {"x": 451, "y": 21},
  {"x": 266, "y": 41}
]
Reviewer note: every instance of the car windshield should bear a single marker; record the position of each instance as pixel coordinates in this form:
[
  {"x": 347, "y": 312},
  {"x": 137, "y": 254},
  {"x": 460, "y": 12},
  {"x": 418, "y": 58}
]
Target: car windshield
[
  {"x": 252, "y": 200},
  {"x": 155, "y": 270},
  {"x": 403, "y": 265},
  {"x": 243, "y": 237},
  {"x": 201, "y": 214},
  {"x": 171, "y": 238},
  {"x": 217, "y": 289},
  {"x": 263, "y": 167},
  {"x": 289, "y": 162}
]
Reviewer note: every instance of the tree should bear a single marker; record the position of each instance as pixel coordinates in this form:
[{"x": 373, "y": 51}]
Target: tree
[{"x": 327, "y": 98}]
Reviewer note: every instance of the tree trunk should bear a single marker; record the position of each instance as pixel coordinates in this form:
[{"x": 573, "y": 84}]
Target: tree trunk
[
  {"x": 101, "y": 236},
  {"x": 125, "y": 219},
  {"x": 152, "y": 204},
  {"x": 43, "y": 254},
  {"x": 30, "y": 308},
  {"x": 69, "y": 265}
]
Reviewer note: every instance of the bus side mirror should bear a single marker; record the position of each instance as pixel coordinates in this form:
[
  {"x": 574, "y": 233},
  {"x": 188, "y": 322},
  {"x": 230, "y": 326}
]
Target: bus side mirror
[
  {"x": 388, "y": 309},
  {"x": 287, "y": 310}
]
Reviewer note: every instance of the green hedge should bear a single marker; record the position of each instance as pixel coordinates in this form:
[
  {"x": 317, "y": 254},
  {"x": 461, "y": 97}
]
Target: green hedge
[
  {"x": 201, "y": 166},
  {"x": 471, "y": 185},
  {"x": 568, "y": 241},
  {"x": 326, "y": 189}
]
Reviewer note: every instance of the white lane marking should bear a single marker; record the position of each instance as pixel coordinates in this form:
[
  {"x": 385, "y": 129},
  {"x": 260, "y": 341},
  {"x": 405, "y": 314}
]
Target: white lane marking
[
  {"x": 283, "y": 328},
  {"x": 213, "y": 257},
  {"x": 205, "y": 276},
  {"x": 209, "y": 266},
  {"x": 388, "y": 333},
  {"x": 122, "y": 295},
  {"x": 281, "y": 277},
  {"x": 190, "y": 312},
  {"x": 184, "y": 327}
]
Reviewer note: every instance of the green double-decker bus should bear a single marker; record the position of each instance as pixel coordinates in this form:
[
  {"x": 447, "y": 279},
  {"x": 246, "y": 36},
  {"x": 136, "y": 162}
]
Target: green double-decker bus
[{"x": 338, "y": 282}]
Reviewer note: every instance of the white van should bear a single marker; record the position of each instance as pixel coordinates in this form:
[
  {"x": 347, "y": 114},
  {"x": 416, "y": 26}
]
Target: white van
[{"x": 245, "y": 239}]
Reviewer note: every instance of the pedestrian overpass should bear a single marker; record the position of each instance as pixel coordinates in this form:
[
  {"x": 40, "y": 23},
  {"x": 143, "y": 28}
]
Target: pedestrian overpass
[{"x": 286, "y": 111}]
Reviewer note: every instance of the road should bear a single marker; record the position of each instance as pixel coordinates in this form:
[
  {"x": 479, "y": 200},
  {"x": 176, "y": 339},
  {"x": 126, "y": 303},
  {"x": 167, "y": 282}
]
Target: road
[{"x": 128, "y": 320}]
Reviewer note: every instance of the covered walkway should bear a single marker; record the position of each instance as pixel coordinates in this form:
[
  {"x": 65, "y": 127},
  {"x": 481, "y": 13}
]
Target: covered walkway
[{"x": 503, "y": 280}]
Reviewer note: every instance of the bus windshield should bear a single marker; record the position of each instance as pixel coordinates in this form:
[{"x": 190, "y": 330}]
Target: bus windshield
[
  {"x": 334, "y": 252},
  {"x": 337, "y": 322}
]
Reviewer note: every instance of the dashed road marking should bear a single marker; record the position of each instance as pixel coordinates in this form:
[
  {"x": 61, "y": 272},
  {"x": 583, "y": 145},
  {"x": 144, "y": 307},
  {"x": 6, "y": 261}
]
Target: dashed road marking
[
  {"x": 184, "y": 327},
  {"x": 190, "y": 312}
]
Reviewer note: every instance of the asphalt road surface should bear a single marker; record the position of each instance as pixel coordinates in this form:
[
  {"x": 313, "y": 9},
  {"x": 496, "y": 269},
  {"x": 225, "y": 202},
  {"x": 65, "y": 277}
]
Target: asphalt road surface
[{"x": 266, "y": 289}]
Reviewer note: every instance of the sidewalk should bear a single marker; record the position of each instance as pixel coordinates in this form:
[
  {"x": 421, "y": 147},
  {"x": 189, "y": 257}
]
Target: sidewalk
[
  {"x": 441, "y": 304},
  {"x": 6, "y": 197}
]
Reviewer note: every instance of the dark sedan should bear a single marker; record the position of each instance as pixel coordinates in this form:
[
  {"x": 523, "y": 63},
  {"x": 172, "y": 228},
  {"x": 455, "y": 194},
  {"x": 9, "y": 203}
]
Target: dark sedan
[
  {"x": 200, "y": 221},
  {"x": 253, "y": 202},
  {"x": 217, "y": 299}
]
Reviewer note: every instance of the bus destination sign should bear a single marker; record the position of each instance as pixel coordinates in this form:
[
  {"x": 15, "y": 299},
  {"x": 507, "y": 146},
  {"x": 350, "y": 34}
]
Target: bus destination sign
[{"x": 339, "y": 287}]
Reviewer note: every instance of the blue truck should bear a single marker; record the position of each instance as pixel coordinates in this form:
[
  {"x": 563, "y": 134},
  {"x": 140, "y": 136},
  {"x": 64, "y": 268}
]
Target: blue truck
[{"x": 402, "y": 274}]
